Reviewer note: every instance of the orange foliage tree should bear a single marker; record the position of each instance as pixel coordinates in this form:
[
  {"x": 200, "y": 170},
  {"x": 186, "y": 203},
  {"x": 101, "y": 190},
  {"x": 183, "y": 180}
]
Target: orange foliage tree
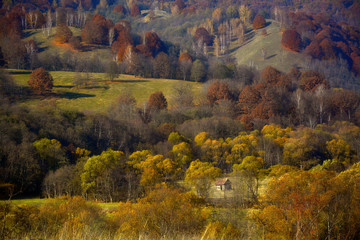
[
  {"x": 41, "y": 81},
  {"x": 63, "y": 34}
]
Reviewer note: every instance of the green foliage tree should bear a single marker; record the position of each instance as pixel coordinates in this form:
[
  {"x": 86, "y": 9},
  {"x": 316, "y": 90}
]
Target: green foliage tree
[
  {"x": 98, "y": 178},
  {"x": 51, "y": 153},
  {"x": 198, "y": 71},
  {"x": 112, "y": 70}
]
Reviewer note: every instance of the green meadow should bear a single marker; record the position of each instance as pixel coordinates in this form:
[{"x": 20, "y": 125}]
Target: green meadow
[{"x": 101, "y": 93}]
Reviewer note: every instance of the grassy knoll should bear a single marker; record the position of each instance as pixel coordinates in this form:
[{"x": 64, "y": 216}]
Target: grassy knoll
[
  {"x": 276, "y": 56},
  {"x": 47, "y": 45},
  {"x": 98, "y": 96}
]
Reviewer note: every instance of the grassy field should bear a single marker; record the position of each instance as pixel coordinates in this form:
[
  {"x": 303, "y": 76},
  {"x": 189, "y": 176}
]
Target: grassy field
[
  {"x": 100, "y": 96},
  {"x": 40, "y": 201},
  {"x": 276, "y": 56}
]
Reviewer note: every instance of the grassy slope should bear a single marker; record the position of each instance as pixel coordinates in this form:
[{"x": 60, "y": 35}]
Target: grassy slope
[
  {"x": 98, "y": 99},
  {"x": 276, "y": 56},
  {"x": 46, "y": 43}
]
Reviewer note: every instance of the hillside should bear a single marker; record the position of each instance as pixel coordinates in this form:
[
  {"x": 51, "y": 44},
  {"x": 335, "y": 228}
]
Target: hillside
[
  {"x": 276, "y": 56},
  {"x": 47, "y": 45},
  {"x": 101, "y": 94}
]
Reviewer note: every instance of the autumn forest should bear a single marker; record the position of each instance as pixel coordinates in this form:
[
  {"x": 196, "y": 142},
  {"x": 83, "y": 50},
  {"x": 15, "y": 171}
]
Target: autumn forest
[{"x": 186, "y": 119}]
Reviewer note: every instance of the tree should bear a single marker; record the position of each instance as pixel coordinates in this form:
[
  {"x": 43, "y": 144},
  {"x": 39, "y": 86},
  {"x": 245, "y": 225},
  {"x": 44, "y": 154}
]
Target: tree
[
  {"x": 250, "y": 168},
  {"x": 96, "y": 31},
  {"x": 51, "y": 153},
  {"x": 259, "y": 22},
  {"x": 232, "y": 12},
  {"x": 218, "y": 15},
  {"x": 162, "y": 65},
  {"x": 218, "y": 91},
  {"x": 185, "y": 62},
  {"x": 198, "y": 71},
  {"x": 112, "y": 70},
  {"x": 100, "y": 177},
  {"x": 40, "y": 81},
  {"x": 311, "y": 80},
  {"x": 201, "y": 175},
  {"x": 75, "y": 42},
  {"x": 134, "y": 10},
  {"x": 63, "y": 34},
  {"x": 201, "y": 34},
  {"x": 154, "y": 43},
  {"x": 291, "y": 39},
  {"x": 157, "y": 101}
]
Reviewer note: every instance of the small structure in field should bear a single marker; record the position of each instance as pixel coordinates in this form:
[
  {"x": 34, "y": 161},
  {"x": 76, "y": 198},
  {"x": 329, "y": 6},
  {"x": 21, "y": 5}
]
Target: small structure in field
[{"x": 223, "y": 184}]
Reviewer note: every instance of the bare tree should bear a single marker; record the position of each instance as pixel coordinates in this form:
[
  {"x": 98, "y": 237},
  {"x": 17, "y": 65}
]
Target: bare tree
[{"x": 111, "y": 36}]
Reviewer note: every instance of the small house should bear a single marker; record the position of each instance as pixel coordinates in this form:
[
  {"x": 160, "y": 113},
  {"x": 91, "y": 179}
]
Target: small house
[{"x": 223, "y": 184}]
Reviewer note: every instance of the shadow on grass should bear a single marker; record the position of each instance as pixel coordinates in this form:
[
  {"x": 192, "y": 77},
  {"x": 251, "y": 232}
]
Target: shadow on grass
[
  {"x": 268, "y": 24},
  {"x": 270, "y": 56},
  {"x": 28, "y": 33},
  {"x": 64, "y": 86},
  {"x": 19, "y": 72},
  {"x": 42, "y": 49},
  {"x": 72, "y": 95},
  {"x": 234, "y": 49},
  {"x": 128, "y": 81}
]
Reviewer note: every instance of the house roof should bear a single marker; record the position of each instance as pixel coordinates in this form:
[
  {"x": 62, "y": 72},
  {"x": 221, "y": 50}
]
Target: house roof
[{"x": 221, "y": 181}]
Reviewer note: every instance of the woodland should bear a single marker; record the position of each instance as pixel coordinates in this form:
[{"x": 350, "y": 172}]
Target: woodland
[{"x": 287, "y": 135}]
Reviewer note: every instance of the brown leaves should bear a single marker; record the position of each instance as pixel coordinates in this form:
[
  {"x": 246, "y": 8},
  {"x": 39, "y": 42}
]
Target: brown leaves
[
  {"x": 259, "y": 22},
  {"x": 291, "y": 39},
  {"x": 41, "y": 81},
  {"x": 218, "y": 91}
]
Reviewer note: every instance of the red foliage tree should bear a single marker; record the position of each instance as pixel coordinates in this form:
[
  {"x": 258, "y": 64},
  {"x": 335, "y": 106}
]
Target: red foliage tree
[
  {"x": 144, "y": 50},
  {"x": 291, "y": 39},
  {"x": 201, "y": 34},
  {"x": 218, "y": 91},
  {"x": 314, "y": 50},
  {"x": 329, "y": 52},
  {"x": 356, "y": 63},
  {"x": 123, "y": 40},
  {"x": 157, "y": 101},
  {"x": 135, "y": 10},
  {"x": 154, "y": 43},
  {"x": 310, "y": 80},
  {"x": 259, "y": 22},
  {"x": 40, "y": 81}
]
